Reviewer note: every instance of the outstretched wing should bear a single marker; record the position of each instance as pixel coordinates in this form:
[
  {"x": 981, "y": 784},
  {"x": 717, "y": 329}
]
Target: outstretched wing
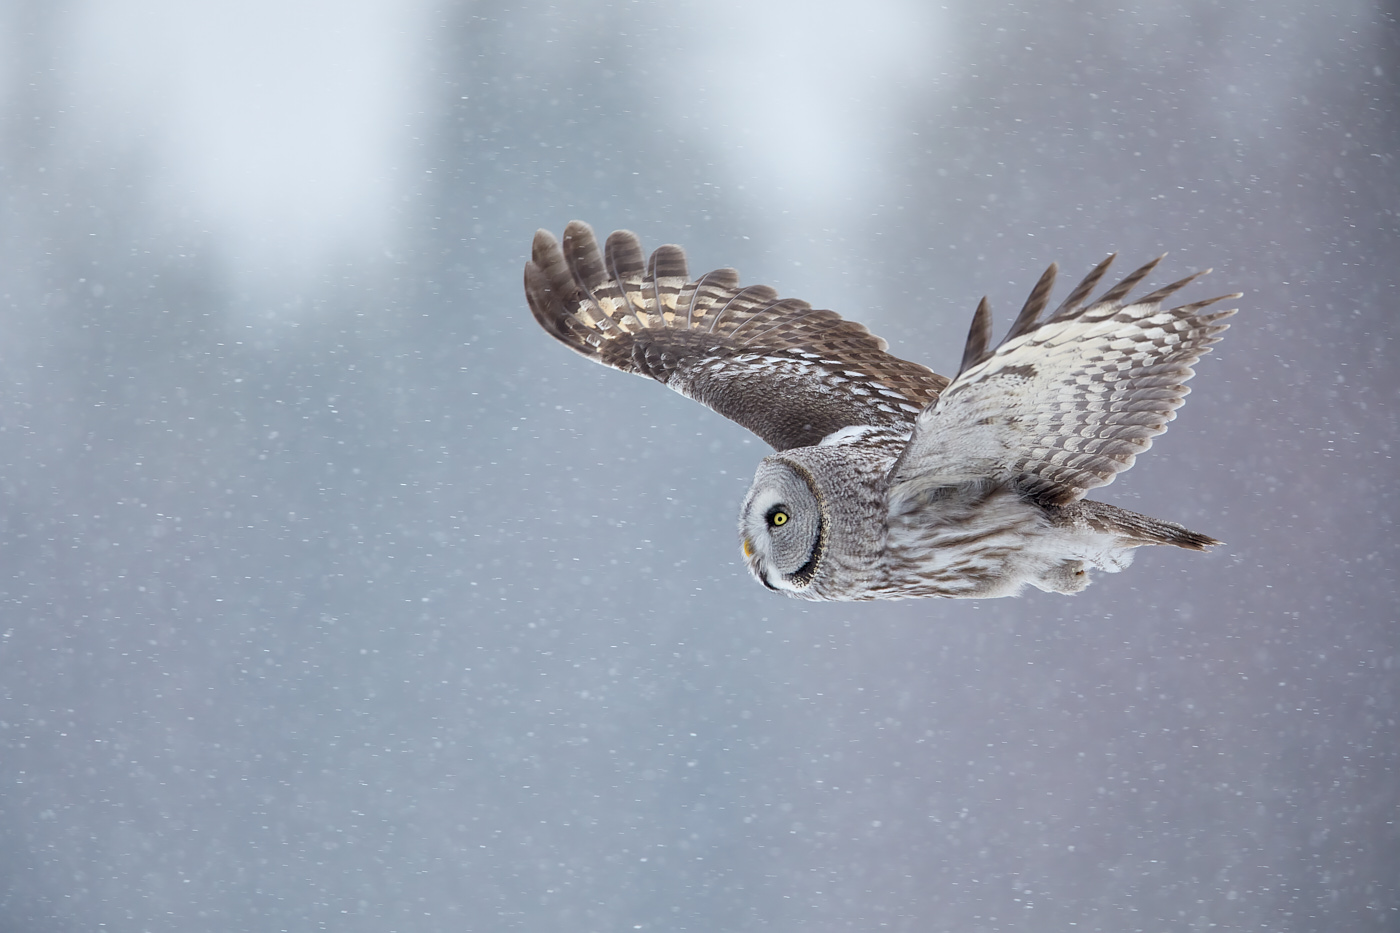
[
  {"x": 790, "y": 374},
  {"x": 1066, "y": 403}
]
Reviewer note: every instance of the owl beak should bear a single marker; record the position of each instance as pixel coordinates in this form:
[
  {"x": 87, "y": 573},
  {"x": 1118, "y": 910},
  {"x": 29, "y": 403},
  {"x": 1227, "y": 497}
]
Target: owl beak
[{"x": 755, "y": 566}]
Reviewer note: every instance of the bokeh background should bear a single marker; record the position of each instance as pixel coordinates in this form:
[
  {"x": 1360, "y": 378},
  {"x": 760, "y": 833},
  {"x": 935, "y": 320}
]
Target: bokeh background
[{"x": 334, "y": 595}]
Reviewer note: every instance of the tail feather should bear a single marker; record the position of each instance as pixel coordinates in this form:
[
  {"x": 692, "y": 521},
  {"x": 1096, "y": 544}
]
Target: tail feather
[{"x": 1139, "y": 529}]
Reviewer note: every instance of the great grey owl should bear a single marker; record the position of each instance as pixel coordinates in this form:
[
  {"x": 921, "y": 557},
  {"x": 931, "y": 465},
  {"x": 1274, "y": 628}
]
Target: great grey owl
[{"x": 889, "y": 480}]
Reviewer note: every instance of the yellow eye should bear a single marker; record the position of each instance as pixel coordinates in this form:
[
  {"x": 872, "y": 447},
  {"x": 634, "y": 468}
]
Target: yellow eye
[{"x": 779, "y": 518}]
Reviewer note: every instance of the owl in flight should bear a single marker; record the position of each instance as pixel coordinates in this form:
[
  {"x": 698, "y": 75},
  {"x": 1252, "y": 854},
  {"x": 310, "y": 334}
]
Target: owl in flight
[{"x": 891, "y": 481}]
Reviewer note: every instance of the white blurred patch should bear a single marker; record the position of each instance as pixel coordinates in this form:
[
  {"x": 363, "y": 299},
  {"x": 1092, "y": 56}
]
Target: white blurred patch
[
  {"x": 802, "y": 98},
  {"x": 803, "y": 104},
  {"x": 280, "y": 127}
]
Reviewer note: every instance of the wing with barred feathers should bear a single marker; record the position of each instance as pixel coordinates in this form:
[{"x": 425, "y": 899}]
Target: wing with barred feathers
[
  {"x": 1064, "y": 404},
  {"x": 788, "y": 373}
]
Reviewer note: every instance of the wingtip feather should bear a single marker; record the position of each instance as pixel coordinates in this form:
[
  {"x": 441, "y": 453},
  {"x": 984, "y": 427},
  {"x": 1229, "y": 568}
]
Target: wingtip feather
[
  {"x": 1120, "y": 291},
  {"x": 1075, "y": 299},
  {"x": 979, "y": 337},
  {"x": 1039, "y": 297}
]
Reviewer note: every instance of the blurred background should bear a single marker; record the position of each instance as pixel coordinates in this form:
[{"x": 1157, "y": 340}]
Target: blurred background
[{"x": 335, "y": 595}]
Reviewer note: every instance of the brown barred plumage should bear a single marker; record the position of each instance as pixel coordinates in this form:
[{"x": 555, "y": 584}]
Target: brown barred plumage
[{"x": 742, "y": 351}]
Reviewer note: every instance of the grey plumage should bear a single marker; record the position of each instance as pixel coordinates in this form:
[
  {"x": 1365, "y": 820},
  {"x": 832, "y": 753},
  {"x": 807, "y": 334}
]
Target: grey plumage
[{"x": 889, "y": 481}]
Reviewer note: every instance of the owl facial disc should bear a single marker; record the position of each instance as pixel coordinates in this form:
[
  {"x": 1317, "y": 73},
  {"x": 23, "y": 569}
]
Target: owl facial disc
[{"x": 782, "y": 526}]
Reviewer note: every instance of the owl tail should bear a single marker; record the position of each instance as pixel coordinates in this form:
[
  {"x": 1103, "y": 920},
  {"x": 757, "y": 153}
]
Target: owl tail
[{"x": 1138, "y": 529}]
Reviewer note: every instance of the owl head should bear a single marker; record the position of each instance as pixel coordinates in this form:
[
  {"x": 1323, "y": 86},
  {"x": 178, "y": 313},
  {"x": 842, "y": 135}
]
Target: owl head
[
  {"x": 812, "y": 525},
  {"x": 784, "y": 527}
]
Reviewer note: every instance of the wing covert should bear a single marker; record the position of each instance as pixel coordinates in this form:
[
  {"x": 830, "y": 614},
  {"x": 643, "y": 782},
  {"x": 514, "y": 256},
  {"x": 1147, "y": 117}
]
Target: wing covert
[{"x": 787, "y": 372}]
